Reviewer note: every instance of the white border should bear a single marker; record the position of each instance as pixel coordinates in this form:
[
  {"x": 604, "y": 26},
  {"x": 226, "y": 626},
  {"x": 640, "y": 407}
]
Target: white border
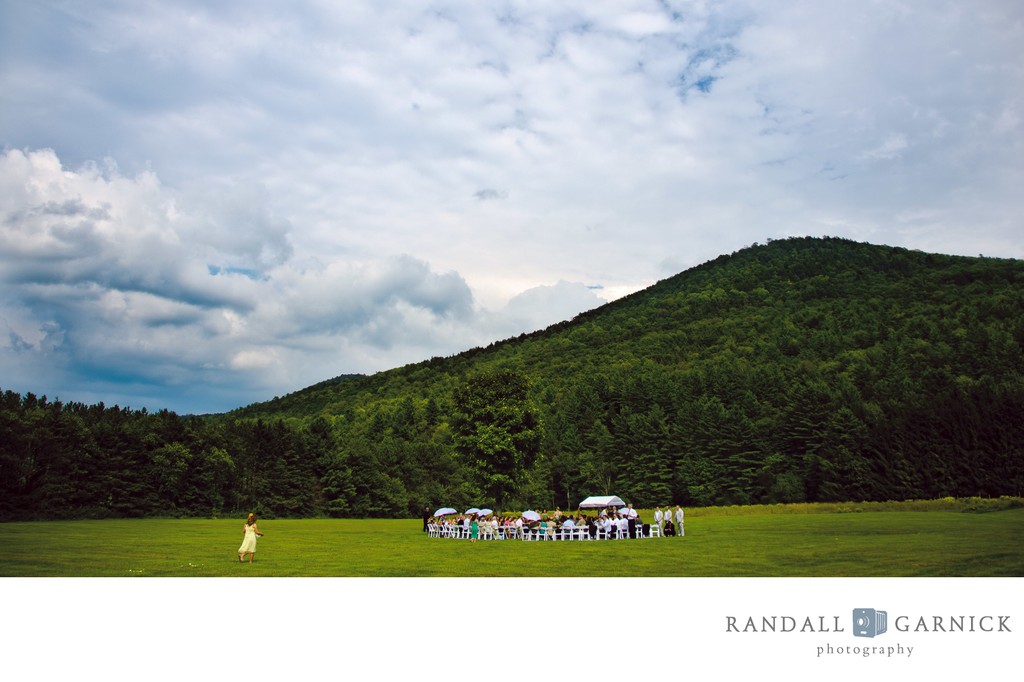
[{"x": 454, "y": 629}]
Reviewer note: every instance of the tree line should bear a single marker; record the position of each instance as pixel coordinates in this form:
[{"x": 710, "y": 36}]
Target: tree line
[{"x": 800, "y": 370}]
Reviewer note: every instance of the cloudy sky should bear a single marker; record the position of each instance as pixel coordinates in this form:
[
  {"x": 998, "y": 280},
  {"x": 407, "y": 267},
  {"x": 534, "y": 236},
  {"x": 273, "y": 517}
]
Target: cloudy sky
[{"x": 204, "y": 204}]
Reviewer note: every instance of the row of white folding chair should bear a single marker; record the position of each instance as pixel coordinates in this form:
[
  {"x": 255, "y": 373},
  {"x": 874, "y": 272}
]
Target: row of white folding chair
[
  {"x": 580, "y": 533},
  {"x": 448, "y": 531},
  {"x": 502, "y": 533},
  {"x": 499, "y": 533},
  {"x": 440, "y": 530},
  {"x": 619, "y": 534}
]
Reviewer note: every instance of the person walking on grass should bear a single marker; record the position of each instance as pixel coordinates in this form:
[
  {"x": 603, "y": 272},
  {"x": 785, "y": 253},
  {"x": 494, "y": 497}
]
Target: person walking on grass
[
  {"x": 249, "y": 534},
  {"x": 474, "y": 530}
]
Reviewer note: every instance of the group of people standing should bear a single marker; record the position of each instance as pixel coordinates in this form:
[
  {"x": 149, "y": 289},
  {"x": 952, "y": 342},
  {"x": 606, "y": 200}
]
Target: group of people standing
[{"x": 670, "y": 523}]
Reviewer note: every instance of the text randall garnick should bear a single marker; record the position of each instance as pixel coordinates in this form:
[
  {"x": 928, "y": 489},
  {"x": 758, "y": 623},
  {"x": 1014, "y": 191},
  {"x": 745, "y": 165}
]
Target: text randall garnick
[
  {"x": 785, "y": 624},
  {"x": 901, "y": 624}
]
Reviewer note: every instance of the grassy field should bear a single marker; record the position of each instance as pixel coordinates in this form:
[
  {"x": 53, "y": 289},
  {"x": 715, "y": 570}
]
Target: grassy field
[{"x": 931, "y": 539}]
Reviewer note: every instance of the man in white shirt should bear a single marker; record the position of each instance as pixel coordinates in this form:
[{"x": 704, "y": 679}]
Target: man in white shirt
[
  {"x": 567, "y": 529},
  {"x": 658, "y": 518},
  {"x": 679, "y": 521}
]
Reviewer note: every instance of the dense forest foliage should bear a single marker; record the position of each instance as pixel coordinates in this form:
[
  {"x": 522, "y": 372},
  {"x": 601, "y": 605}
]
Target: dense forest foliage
[{"x": 807, "y": 369}]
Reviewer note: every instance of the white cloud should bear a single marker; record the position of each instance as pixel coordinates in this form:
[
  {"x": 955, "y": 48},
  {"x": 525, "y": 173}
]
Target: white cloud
[
  {"x": 891, "y": 148},
  {"x": 254, "y": 359},
  {"x": 109, "y": 280},
  {"x": 545, "y": 305},
  {"x": 320, "y": 189}
]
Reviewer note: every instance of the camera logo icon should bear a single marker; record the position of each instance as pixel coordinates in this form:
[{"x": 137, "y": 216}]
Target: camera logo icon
[{"x": 869, "y": 622}]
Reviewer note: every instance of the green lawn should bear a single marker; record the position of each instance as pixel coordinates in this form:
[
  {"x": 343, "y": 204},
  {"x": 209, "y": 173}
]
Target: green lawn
[{"x": 758, "y": 542}]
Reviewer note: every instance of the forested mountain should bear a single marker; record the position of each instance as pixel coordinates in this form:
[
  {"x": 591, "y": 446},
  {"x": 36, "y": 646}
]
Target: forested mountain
[{"x": 808, "y": 369}]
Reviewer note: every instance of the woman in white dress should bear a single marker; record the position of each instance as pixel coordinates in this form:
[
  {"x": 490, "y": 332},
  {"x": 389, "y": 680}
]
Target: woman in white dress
[{"x": 249, "y": 533}]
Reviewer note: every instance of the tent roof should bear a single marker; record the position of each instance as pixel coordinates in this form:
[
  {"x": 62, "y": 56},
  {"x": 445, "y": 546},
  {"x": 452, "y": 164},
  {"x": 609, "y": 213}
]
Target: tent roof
[{"x": 602, "y": 501}]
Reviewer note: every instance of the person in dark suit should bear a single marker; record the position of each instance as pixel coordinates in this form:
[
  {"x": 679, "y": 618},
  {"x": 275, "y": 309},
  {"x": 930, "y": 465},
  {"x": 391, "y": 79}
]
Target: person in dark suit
[{"x": 426, "y": 518}]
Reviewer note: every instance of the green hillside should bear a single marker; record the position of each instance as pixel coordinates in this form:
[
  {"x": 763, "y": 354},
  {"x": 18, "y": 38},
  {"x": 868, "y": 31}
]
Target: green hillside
[
  {"x": 808, "y": 369},
  {"x": 795, "y": 301},
  {"x": 803, "y": 369}
]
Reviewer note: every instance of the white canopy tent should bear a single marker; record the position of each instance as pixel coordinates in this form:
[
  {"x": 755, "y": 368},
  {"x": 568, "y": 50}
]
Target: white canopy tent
[{"x": 601, "y": 501}]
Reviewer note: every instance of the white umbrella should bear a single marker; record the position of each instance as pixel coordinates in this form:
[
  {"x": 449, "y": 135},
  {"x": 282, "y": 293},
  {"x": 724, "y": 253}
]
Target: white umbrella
[
  {"x": 531, "y": 515},
  {"x": 484, "y": 512},
  {"x": 629, "y": 513},
  {"x": 472, "y": 510},
  {"x": 444, "y": 511}
]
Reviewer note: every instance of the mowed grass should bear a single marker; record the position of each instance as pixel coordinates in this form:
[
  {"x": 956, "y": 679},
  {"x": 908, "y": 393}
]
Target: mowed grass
[{"x": 755, "y": 544}]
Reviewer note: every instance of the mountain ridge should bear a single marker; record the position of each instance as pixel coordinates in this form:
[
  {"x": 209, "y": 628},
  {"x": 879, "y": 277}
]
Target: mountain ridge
[{"x": 708, "y": 272}]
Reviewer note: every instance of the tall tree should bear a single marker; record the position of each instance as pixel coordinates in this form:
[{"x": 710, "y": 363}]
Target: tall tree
[{"x": 496, "y": 430}]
